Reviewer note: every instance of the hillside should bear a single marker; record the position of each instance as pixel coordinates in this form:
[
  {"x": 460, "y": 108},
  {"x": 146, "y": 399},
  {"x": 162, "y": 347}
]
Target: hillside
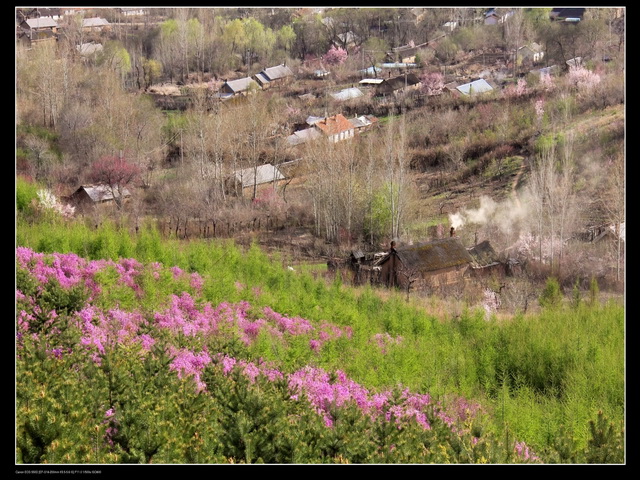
[{"x": 233, "y": 235}]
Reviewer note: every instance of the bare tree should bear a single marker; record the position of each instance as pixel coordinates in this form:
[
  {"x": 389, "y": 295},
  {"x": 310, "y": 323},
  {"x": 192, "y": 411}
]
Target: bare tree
[{"x": 613, "y": 201}]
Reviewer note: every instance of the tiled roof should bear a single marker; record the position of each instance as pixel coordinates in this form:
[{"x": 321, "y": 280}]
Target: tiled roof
[{"x": 334, "y": 125}]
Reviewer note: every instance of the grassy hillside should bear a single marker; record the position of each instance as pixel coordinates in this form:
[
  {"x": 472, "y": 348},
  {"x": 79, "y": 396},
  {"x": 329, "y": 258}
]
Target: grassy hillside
[{"x": 175, "y": 317}]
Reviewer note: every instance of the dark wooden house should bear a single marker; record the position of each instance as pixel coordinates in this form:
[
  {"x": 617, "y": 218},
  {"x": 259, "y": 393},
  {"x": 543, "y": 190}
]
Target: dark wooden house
[
  {"x": 399, "y": 84},
  {"x": 437, "y": 263},
  {"x": 274, "y": 76}
]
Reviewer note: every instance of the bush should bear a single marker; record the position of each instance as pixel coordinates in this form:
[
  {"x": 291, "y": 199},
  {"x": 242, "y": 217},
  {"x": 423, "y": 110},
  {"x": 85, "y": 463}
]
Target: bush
[{"x": 551, "y": 296}]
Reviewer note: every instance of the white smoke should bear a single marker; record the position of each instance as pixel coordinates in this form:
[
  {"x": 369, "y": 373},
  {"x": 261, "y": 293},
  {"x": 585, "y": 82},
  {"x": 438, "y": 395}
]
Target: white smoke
[{"x": 505, "y": 215}]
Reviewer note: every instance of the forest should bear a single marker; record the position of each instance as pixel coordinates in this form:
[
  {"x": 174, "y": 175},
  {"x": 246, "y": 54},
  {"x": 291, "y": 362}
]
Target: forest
[{"x": 148, "y": 239}]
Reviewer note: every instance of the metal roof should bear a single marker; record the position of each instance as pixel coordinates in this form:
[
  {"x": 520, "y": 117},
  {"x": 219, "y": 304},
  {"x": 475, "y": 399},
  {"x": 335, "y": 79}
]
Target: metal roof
[
  {"x": 262, "y": 78},
  {"x": 477, "y": 86},
  {"x": 102, "y": 193},
  {"x": 371, "y": 81},
  {"x": 302, "y": 136},
  {"x": 279, "y": 71},
  {"x": 347, "y": 94},
  {"x": 258, "y": 175},
  {"x": 42, "y": 22},
  {"x": 241, "y": 84},
  {"x": 362, "y": 121},
  {"x": 94, "y": 22},
  {"x": 311, "y": 120}
]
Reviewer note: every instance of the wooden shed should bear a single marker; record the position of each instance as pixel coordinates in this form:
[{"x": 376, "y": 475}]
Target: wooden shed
[
  {"x": 431, "y": 264},
  {"x": 485, "y": 260},
  {"x": 94, "y": 195}
]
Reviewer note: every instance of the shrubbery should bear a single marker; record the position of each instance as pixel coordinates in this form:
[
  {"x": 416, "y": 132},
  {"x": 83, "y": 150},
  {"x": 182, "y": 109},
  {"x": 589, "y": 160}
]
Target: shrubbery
[{"x": 250, "y": 354}]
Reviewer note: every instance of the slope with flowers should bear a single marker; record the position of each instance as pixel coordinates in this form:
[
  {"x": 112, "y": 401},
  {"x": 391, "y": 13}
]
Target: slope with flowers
[{"x": 243, "y": 361}]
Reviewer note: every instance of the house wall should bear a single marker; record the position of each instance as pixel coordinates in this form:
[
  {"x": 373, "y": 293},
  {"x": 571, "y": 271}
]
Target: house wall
[
  {"x": 342, "y": 136},
  {"x": 422, "y": 280}
]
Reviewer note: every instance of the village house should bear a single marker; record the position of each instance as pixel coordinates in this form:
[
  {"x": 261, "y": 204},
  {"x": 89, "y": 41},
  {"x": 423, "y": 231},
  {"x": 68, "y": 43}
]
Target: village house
[
  {"x": 336, "y": 128},
  {"x": 567, "y": 15},
  {"x": 95, "y": 24},
  {"x": 347, "y": 94},
  {"x": 40, "y": 24},
  {"x": 96, "y": 195},
  {"x": 485, "y": 260},
  {"x": 475, "y": 87},
  {"x": 363, "y": 123},
  {"x": 370, "y": 82},
  {"x": 398, "y": 85},
  {"x": 405, "y": 53},
  {"x": 530, "y": 54},
  {"x": 492, "y": 17},
  {"x": 274, "y": 76},
  {"x": 241, "y": 86},
  {"x": 23, "y": 14},
  {"x": 35, "y": 31},
  {"x": 437, "y": 263},
  {"x": 258, "y": 177}
]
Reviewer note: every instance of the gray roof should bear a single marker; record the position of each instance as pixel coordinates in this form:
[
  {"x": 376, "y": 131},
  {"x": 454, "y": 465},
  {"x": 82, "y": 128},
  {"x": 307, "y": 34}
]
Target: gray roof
[
  {"x": 434, "y": 255},
  {"x": 262, "y": 174},
  {"x": 94, "y": 22},
  {"x": 273, "y": 73},
  {"x": 102, "y": 193},
  {"x": 362, "y": 121},
  {"x": 347, "y": 94},
  {"x": 262, "y": 78},
  {"x": 311, "y": 120},
  {"x": 302, "y": 136},
  {"x": 241, "y": 84},
  {"x": 89, "y": 48},
  {"x": 483, "y": 254},
  {"x": 42, "y": 22},
  {"x": 477, "y": 86}
]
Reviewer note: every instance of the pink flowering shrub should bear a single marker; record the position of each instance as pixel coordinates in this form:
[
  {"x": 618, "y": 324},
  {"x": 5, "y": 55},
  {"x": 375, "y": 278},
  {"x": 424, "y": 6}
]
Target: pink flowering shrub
[
  {"x": 335, "y": 56},
  {"x": 179, "y": 382}
]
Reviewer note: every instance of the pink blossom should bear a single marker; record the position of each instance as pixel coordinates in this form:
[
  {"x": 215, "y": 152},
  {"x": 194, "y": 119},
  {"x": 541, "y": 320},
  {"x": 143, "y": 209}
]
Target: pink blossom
[{"x": 335, "y": 56}]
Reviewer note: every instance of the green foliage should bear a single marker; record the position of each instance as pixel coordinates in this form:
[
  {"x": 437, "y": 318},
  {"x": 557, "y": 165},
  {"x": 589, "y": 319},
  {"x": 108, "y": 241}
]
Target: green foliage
[
  {"x": 594, "y": 291},
  {"x": 606, "y": 444},
  {"x": 26, "y": 194},
  {"x": 551, "y": 296},
  {"x": 533, "y": 372}
]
